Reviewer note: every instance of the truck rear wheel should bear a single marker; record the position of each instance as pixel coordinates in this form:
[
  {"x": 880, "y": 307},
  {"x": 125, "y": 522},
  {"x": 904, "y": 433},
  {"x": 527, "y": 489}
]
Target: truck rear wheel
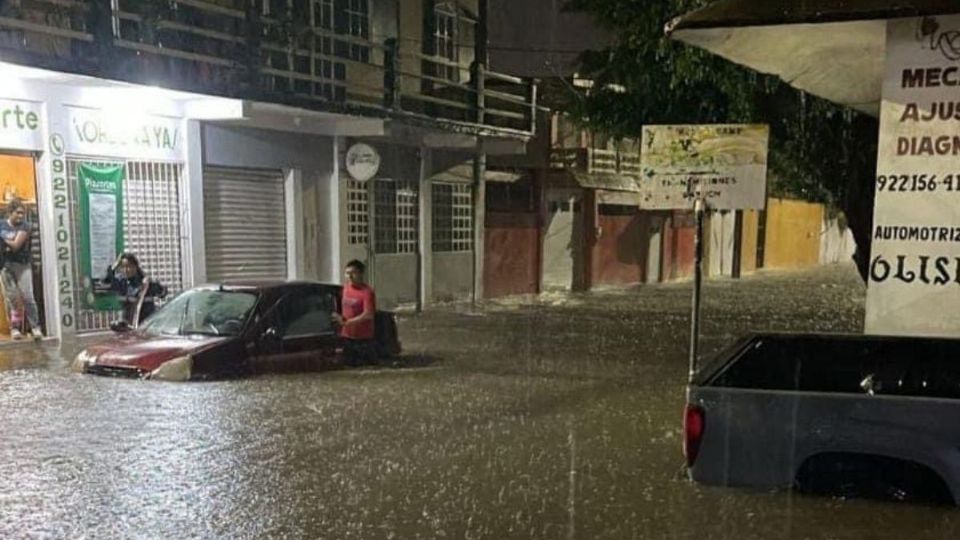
[{"x": 871, "y": 477}]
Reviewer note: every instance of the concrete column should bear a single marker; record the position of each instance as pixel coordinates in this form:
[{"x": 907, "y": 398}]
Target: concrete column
[
  {"x": 334, "y": 222},
  {"x": 479, "y": 218},
  {"x": 293, "y": 198},
  {"x": 425, "y": 233},
  {"x": 591, "y": 234},
  {"x": 539, "y": 178},
  {"x": 194, "y": 248}
]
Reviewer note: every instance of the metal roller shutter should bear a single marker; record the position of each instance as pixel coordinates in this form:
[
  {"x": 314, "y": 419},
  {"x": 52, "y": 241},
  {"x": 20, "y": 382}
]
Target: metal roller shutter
[{"x": 245, "y": 224}]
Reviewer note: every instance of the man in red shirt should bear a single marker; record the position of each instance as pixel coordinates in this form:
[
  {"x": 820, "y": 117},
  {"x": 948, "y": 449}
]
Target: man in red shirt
[{"x": 358, "y": 310}]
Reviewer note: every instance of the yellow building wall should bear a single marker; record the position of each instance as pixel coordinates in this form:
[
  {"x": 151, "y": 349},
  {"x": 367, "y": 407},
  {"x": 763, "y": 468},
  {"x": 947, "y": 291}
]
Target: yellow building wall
[
  {"x": 792, "y": 234},
  {"x": 748, "y": 241}
]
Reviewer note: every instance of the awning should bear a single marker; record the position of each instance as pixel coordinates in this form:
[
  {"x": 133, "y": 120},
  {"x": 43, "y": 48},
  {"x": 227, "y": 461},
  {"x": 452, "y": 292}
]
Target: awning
[
  {"x": 505, "y": 177},
  {"x": 614, "y": 182},
  {"x": 622, "y": 198},
  {"x": 463, "y": 174},
  {"x": 834, "y": 49}
]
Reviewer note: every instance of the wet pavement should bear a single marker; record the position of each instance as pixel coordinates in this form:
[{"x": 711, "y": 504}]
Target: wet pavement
[{"x": 556, "y": 420}]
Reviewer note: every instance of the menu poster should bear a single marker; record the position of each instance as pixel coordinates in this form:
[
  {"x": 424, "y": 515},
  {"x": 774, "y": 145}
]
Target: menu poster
[{"x": 100, "y": 231}]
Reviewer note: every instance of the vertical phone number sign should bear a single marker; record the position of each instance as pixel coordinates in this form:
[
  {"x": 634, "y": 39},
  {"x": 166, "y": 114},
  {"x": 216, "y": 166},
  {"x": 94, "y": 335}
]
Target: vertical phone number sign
[{"x": 61, "y": 218}]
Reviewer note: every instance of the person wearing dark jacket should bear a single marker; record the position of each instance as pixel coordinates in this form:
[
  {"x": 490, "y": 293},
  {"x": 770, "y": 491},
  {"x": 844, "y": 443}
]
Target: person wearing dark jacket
[
  {"x": 16, "y": 271},
  {"x": 129, "y": 284}
]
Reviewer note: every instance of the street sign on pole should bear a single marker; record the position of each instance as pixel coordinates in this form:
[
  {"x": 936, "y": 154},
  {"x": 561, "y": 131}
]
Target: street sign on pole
[
  {"x": 724, "y": 165},
  {"x": 705, "y": 167},
  {"x": 697, "y": 280}
]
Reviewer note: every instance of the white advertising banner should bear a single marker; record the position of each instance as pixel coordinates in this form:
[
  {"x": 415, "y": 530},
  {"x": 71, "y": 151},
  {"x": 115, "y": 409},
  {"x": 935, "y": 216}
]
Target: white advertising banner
[
  {"x": 21, "y": 125},
  {"x": 914, "y": 281},
  {"x": 110, "y": 133},
  {"x": 726, "y": 165}
]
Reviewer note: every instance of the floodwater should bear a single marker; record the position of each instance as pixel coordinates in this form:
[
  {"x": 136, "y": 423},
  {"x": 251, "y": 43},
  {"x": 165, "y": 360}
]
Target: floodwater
[{"x": 557, "y": 420}]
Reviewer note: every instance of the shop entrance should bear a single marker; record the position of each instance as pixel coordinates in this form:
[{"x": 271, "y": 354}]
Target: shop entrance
[
  {"x": 151, "y": 202},
  {"x": 22, "y": 266},
  {"x": 245, "y": 224},
  {"x": 563, "y": 242}
]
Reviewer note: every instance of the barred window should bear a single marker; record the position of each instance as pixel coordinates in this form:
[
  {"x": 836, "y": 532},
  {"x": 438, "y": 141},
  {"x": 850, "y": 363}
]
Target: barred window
[
  {"x": 353, "y": 21},
  {"x": 452, "y": 217},
  {"x": 358, "y": 229},
  {"x": 445, "y": 40},
  {"x": 323, "y": 67},
  {"x": 395, "y": 216},
  {"x": 323, "y": 14}
]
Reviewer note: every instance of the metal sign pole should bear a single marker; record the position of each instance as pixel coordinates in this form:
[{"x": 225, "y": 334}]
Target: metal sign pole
[{"x": 699, "y": 208}]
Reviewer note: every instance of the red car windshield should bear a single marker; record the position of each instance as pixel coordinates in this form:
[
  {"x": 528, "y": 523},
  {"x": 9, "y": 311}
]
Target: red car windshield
[{"x": 203, "y": 312}]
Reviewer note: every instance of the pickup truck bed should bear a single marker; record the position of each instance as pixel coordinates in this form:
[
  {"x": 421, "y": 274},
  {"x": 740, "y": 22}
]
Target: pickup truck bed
[{"x": 821, "y": 412}]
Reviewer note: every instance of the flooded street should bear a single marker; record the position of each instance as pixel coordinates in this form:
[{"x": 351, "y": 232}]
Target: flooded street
[{"x": 555, "y": 420}]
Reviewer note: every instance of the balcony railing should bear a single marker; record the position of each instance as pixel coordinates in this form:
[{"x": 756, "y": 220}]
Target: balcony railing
[
  {"x": 228, "y": 48},
  {"x": 596, "y": 161}
]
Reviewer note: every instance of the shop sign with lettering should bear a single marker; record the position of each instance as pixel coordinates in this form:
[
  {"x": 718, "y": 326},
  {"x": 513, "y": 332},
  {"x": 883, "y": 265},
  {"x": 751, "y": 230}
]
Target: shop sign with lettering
[
  {"x": 914, "y": 273},
  {"x": 362, "y": 161},
  {"x": 725, "y": 165},
  {"x": 21, "y": 125},
  {"x": 108, "y": 133}
]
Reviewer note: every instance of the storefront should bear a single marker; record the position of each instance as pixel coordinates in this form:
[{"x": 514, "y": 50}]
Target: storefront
[
  {"x": 269, "y": 202},
  {"x": 101, "y": 168},
  {"x": 124, "y": 179},
  {"x": 21, "y": 143},
  {"x": 626, "y": 246},
  {"x": 380, "y": 188}
]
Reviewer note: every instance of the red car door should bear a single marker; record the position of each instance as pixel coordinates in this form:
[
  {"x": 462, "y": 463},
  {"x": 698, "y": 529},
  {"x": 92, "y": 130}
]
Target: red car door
[{"x": 299, "y": 333}]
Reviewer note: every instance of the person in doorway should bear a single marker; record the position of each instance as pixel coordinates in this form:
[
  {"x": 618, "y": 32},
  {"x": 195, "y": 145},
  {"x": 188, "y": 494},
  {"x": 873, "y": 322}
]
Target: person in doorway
[
  {"x": 17, "y": 272},
  {"x": 137, "y": 292},
  {"x": 358, "y": 310}
]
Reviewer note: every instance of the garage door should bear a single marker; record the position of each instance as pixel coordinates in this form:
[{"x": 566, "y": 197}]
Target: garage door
[{"x": 244, "y": 224}]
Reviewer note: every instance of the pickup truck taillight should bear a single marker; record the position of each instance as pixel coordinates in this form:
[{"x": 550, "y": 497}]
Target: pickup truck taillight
[{"x": 694, "y": 421}]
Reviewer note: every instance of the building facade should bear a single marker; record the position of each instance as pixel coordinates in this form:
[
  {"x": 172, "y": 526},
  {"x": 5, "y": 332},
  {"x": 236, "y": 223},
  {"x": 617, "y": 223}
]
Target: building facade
[{"x": 252, "y": 140}]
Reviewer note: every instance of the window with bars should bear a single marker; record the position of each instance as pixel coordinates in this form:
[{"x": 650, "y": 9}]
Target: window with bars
[
  {"x": 395, "y": 216},
  {"x": 353, "y": 20},
  {"x": 445, "y": 40},
  {"x": 302, "y": 62},
  {"x": 322, "y": 15},
  {"x": 452, "y": 217},
  {"x": 151, "y": 224},
  {"x": 358, "y": 229}
]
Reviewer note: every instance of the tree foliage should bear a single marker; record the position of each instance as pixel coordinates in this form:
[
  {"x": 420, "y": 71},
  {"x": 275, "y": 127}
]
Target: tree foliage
[{"x": 819, "y": 151}]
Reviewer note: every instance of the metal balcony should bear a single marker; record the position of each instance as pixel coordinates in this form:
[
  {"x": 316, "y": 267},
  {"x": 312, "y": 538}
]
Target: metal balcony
[
  {"x": 228, "y": 48},
  {"x": 596, "y": 161}
]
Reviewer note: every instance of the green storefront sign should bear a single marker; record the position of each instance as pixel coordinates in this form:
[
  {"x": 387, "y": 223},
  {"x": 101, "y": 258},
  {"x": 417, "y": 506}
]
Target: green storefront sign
[{"x": 101, "y": 230}]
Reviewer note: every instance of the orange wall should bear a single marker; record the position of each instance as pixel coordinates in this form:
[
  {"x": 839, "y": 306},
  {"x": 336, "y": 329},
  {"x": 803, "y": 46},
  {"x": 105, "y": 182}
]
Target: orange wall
[
  {"x": 17, "y": 178},
  {"x": 792, "y": 234}
]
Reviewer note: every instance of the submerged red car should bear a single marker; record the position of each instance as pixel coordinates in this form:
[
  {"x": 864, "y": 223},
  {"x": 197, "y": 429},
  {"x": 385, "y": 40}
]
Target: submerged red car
[{"x": 218, "y": 331}]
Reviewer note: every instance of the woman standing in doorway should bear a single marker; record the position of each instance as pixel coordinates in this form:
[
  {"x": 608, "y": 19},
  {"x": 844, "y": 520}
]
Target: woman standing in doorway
[{"x": 17, "y": 273}]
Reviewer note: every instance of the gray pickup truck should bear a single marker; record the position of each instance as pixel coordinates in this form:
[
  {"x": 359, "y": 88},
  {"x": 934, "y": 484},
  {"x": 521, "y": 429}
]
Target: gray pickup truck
[{"x": 847, "y": 415}]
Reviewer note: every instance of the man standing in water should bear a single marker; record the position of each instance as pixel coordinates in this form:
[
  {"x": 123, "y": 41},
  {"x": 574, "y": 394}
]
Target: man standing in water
[
  {"x": 17, "y": 273},
  {"x": 358, "y": 309}
]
